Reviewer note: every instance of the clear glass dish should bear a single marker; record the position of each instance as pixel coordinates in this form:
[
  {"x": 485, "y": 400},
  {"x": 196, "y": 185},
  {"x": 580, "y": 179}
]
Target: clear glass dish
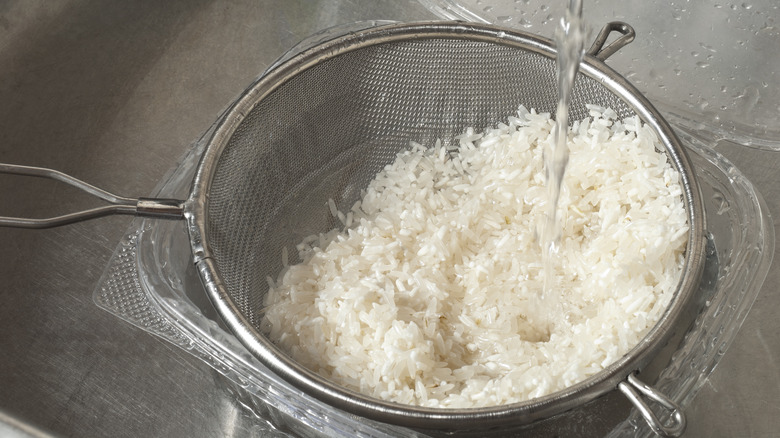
[{"x": 151, "y": 283}]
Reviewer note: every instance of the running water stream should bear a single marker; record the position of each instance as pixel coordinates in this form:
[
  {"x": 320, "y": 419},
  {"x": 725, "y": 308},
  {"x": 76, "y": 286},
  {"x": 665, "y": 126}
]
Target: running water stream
[{"x": 569, "y": 41}]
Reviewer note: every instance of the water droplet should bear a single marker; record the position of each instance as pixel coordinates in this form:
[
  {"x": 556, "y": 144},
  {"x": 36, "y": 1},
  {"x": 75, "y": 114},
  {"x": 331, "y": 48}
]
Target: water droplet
[
  {"x": 695, "y": 54},
  {"x": 747, "y": 6},
  {"x": 487, "y": 8},
  {"x": 525, "y": 23},
  {"x": 707, "y": 47},
  {"x": 724, "y": 89},
  {"x": 544, "y": 8},
  {"x": 508, "y": 18},
  {"x": 702, "y": 64},
  {"x": 677, "y": 71}
]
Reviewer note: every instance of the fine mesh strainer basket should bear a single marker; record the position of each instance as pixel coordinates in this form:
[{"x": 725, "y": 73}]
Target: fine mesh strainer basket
[{"x": 321, "y": 124}]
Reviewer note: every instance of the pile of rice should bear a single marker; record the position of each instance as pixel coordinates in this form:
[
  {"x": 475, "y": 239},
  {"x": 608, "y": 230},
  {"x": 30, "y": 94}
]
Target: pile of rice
[{"x": 429, "y": 295}]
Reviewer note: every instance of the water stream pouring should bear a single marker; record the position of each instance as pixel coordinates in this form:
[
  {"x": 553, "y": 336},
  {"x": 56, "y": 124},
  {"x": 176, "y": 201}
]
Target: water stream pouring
[{"x": 569, "y": 42}]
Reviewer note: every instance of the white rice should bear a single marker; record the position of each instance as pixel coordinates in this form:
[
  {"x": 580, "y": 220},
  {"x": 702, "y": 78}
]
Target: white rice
[{"x": 428, "y": 296}]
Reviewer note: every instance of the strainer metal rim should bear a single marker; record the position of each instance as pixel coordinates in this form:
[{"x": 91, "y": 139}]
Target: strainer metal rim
[{"x": 675, "y": 319}]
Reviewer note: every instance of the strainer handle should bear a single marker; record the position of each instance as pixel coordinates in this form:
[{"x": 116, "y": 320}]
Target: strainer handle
[
  {"x": 634, "y": 389},
  {"x": 599, "y": 51},
  {"x": 164, "y": 208}
]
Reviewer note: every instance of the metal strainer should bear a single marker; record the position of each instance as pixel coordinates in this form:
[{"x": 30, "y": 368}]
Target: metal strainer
[{"x": 320, "y": 125}]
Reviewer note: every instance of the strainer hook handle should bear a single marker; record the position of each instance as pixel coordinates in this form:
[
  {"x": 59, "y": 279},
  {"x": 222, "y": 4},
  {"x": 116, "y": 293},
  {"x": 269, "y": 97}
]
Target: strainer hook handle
[
  {"x": 634, "y": 389},
  {"x": 151, "y": 207},
  {"x": 599, "y": 51}
]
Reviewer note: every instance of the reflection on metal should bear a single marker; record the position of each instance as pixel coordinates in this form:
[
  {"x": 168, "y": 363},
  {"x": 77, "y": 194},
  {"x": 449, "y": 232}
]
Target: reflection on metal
[
  {"x": 634, "y": 389},
  {"x": 163, "y": 208},
  {"x": 599, "y": 51}
]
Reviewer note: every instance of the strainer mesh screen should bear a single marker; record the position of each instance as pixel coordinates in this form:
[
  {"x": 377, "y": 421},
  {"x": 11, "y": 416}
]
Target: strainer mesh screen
[{"x": 327, "y": 131}]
